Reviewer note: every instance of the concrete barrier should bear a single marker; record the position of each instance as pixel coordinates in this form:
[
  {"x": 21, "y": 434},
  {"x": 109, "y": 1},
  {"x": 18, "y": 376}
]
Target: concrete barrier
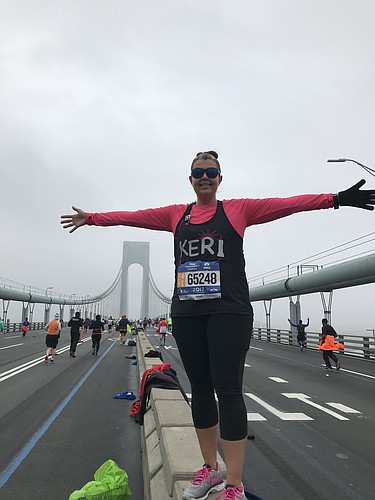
[{"x": 170, "y": 449}]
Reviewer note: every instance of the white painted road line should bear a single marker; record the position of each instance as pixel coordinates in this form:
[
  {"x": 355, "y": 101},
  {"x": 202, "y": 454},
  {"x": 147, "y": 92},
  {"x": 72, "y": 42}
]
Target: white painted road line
[
  {"x": 19, "y": 369},
  {"x": 354, "y": 373},
  {"x": 357, "y": 373},
  {"x": 10, "y": 346},
  {"x": 306, "y": 399},
  {"x": 282, "y": 415},
  {"x": 256, "y": 348},
  {"x": 279, "y": 380},
  {"x": 255, "y": 417},
  {"x": 343, "y": 408}
]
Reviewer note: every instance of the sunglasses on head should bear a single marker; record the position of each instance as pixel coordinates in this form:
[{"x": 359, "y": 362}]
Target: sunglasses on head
[{"x": 211, "y": 172}]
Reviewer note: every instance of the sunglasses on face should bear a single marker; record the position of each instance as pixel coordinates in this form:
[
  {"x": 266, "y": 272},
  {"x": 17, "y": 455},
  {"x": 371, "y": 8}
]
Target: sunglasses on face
[{"x": 211, "y": 172}]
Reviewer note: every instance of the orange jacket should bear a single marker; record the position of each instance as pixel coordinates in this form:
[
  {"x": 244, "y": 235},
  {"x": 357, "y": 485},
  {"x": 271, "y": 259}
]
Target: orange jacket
[{"x": 328, "y": 343}]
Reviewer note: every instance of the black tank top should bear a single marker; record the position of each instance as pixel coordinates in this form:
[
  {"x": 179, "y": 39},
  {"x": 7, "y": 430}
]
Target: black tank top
[{"x": 214, "y": 241}]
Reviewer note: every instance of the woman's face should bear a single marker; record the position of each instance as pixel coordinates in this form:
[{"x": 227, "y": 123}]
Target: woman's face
[{"x": 205, "y": 187}]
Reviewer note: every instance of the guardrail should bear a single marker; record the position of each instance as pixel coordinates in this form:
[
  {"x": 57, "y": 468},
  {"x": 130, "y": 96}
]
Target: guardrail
[
  {"x": 355, "y": 345},
  {"x": 16, "y": 327}
]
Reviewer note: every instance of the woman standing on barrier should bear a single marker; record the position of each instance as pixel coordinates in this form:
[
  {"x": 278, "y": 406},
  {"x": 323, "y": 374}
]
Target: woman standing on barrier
[{"x": 211, "y": 297}]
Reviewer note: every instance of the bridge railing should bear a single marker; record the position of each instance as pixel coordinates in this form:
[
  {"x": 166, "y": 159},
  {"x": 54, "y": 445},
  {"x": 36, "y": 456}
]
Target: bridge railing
[
  {"x": 355, "y": 345},
  {"x": 17, "y": 327}
]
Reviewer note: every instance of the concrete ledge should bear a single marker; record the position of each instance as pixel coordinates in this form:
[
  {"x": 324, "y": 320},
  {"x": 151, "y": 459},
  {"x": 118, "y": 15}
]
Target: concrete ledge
[{"x": 170, "y": 449}]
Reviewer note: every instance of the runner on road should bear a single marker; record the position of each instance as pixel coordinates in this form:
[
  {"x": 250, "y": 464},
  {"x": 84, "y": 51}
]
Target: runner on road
[
  {"x": 123, "y": 327},
  {"x": 327, "y": 344},
  {"x": 163, "y": 328},
  {"x": 53, "y": 331},
  {"x": 301, "y": 334},
  {"x": 25, "y": 327},
  {"x": 97, "y": 328},
  {"x": 75, "y": 325}
]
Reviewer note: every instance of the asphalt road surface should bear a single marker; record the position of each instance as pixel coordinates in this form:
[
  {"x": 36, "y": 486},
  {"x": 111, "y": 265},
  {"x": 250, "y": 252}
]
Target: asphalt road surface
[
  {"x": 59, "y": 422},
  {"x": 314, "y": 436}
]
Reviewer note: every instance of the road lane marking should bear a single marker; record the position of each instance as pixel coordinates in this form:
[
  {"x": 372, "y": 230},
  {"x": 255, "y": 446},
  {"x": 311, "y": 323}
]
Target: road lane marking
[
  {"x": 19, "y": 369},
  {"x": 10, "y": 346},
  {"x": 12, "y": 337},
  {"x": 279, "y": 380},
  {"x": 251, "y": 416},
  {"x": 247, "y": 366},
  {"x": 255, "y": 417},
  {"x": 357, "y": 373},
  {"x": 354, "y": 373},
  {"x": 256, "y": 348},
  {"x": 306, "y": 399},
  {"x": 282, "y": 415},
  {"x": 16, "y": 462},
  {"x": 343, "y": 408}
]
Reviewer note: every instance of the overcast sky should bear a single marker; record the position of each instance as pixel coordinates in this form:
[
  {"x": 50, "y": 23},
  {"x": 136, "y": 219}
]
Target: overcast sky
[{"x": 103, "y": 105}]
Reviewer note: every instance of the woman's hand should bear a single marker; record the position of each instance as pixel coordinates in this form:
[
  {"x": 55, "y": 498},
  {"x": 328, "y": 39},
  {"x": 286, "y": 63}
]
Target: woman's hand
[
  {"x": 75, "y": 220},
  {"x": 355, "y": 197}
]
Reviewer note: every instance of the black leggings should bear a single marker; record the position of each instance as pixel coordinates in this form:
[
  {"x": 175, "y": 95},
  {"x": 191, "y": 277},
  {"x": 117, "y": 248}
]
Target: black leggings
[
  {"x": 74, "y": 339},
  {"x": 327, "y": 355},
  {"x": 213, "y": 350},
  {"x": 96, "y": 337}
]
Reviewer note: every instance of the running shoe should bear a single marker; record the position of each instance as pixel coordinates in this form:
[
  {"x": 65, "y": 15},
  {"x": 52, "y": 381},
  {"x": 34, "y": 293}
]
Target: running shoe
[
  {"x": 51, "y": 361},
  {"x": 204, "y": 482},
  {"x": 338, "y": 366},
  {"x": 46, "y": 359},
  {"x": 328, "y": 368},
  {"x": 93, "y": 352},
  {"x": 232, "y": 492}
]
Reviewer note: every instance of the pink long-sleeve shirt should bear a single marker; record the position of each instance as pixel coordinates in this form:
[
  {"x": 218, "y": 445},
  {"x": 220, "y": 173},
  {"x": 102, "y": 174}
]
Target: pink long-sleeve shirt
[{"x": 241, "y": 213}]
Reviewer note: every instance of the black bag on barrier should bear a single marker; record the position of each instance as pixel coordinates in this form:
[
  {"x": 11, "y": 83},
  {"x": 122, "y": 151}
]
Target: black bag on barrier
[
  {"x": 167, "y": 379},
  {"x": 153, "y": 354}
]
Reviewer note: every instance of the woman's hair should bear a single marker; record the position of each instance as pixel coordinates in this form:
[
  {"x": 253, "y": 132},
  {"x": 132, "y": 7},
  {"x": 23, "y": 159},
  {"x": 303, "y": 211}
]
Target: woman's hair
[{"x": 207, "y": 155}]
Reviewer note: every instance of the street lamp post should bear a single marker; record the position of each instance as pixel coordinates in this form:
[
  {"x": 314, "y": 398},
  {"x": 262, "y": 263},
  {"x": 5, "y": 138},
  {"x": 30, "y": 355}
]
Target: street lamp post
[{"x": 365, "y": 167}]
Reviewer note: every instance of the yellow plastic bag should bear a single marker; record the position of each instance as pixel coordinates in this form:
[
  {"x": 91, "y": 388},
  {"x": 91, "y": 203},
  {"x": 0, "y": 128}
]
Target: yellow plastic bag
[{"x": 111, "y": 483}]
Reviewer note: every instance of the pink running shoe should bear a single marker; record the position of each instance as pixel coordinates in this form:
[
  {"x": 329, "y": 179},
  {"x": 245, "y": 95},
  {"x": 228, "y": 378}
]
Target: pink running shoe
[
  {"x": 204, "y": 482},
  {"x": 232, "y": 492}
]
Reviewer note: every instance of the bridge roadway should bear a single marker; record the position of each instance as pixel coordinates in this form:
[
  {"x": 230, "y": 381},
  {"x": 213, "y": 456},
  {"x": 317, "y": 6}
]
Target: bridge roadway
[{"x": 314, "y": 435}]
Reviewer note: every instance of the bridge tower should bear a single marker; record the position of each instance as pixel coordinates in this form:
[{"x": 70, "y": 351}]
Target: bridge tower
[{"x": 135, "y": 252}]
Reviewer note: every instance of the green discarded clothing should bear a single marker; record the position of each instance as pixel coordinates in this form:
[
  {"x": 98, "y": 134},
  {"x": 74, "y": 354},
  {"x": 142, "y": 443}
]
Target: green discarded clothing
[{"x": 111, "y": 483}]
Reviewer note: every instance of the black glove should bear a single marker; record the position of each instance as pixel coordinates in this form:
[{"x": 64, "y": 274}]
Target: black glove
[{"x": 354, "y": 197}]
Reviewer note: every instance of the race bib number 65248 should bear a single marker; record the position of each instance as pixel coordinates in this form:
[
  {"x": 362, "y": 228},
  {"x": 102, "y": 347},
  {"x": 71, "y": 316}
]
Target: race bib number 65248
[{"x": 198, "y": 280}]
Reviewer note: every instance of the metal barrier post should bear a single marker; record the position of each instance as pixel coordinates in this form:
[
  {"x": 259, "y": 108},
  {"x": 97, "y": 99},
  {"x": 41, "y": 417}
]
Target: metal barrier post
[{"x": 366, "y": 347}]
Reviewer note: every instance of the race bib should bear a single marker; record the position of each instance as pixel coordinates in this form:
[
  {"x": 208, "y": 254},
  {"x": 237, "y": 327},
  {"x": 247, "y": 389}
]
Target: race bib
[{"x": 198, "y": 280}]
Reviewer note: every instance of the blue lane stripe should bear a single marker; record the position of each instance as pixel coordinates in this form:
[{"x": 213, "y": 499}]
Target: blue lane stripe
[{"x": 16, "y": 462}]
